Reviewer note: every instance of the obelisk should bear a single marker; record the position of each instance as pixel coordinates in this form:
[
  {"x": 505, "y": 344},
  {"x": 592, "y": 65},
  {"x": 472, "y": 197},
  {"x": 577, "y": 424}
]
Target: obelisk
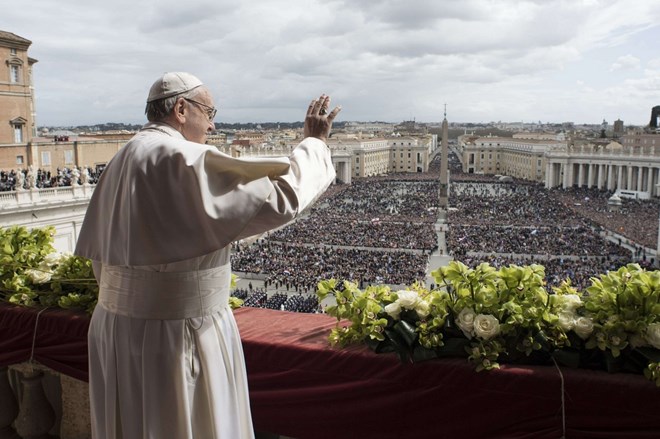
[{"x": 444, "y": 168}]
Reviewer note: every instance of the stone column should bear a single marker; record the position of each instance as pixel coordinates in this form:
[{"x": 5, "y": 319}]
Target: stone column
[
  {"x": 549, "y": 175},
  {"x": 619, "y": 179},
  {"x": 601, "y": 176},
  {"x": 35, "y": 417},
  {"x": 640, "y": 174},
  {"x": 629, "y": 169},
  {"x": 610, "y": 177},
  {"x": 580, "y": 174}
]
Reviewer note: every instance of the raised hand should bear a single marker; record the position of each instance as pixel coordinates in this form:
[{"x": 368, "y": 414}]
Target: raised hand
[{"x": 318, "y": 121}]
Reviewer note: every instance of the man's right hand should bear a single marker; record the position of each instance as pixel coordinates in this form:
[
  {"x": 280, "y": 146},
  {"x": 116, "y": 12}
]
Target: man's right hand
[{"x": 318, "y": 121}]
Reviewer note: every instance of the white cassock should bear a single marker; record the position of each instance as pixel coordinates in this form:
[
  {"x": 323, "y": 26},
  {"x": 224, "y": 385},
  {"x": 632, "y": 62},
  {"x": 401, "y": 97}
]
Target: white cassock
[{"x": 165, "y": 356}]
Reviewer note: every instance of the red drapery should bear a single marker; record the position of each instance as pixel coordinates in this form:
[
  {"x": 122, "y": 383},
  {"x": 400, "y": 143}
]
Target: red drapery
[{"x": 302, "y": 388}]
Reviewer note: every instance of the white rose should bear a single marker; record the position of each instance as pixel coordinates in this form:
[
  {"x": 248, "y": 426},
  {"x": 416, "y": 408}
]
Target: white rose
[
  {"x": 486, "y": 326},
  {"x": 584, "y": 326},
  {"x": 570, "y": 302},
  {"x": 38, "y": 276},
  {"x": 465, "y": 321},
  {"x": 393, "y": 309},
  {"x": 653, "y": 335},
  {"x": 54, "y": 259},
  {"x": 422, "y": 308},
  {"x": 407, "y": 299},
  {"x": 566, "y": 320}
]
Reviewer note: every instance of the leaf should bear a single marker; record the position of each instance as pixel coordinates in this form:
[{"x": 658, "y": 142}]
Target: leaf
[
  {"x": 407, "y": 332},
  {"x": 399, "y": 345}
]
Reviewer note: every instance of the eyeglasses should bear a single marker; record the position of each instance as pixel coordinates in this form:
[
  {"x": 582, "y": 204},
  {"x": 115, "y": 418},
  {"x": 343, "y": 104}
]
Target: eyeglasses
[{"x": 210, "y": 111}]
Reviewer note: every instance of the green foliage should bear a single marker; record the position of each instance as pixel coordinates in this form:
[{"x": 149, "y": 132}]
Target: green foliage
[
  {"x": 32, "y": 273},
  {"x": 490, "y": 316}
]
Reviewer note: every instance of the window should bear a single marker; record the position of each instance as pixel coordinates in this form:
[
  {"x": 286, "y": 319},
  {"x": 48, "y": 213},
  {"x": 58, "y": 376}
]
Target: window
[
  {"x": 12, "y": 51},
  {"x": 14, "y": 74},
  {"x": 19, "y": 159},
  {"x": 68, "y": 157},
  {"x": 18, "y": 133},
  {"x": 45, "y": 158}
]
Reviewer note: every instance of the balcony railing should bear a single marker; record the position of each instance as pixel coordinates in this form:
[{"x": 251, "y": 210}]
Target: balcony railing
[{"x": 30, "y": 197}]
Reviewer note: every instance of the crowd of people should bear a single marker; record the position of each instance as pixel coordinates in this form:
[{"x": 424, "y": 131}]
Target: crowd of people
[
  {"x": 259, "y": 298},
  {"x": 299, "y": 268},
  {"x": 316, "y": 229},
  {"x": 40, "y": 178},
  {"x": 636, "y": 219},
  {"x": 521, "y": 239},
  {"x": 380, "y": 230},
  {"x": 395, "y": 199}
]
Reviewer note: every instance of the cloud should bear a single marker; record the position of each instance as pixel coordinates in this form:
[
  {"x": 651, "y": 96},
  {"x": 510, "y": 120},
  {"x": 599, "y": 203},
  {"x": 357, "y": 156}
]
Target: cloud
[
  {"x": 626, "y": 62},
  {"x": 382, "y": 59}
]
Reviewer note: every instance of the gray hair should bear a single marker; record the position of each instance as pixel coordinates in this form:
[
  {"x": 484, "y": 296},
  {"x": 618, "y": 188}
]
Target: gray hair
[{"x": 158, "y": 110}]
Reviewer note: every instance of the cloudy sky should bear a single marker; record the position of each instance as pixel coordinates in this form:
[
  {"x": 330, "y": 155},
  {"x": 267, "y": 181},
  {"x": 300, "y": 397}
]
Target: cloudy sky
[{"x": 385, "y": 60}]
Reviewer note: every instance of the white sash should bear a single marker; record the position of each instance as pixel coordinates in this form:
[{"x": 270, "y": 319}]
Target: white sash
[{"x": 164, "y": 295}]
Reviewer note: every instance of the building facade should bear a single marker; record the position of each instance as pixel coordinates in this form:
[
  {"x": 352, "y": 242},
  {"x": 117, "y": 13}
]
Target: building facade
[
  {"x": 516, "y": 157},
  {"x": 17, "y": 110},
  {"x": 49, "y": 155},
  {"x": 631, "y": 170}
]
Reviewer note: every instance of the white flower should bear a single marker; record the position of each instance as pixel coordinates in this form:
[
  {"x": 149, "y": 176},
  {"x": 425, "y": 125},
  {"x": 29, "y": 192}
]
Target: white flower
[
  {"x": 486, "y": 326},
  {"x": 570, "y": 302},
  {"x": 584, "y": 326},
  {"x": 393, "y": 309},
  {"x": 465, "y": 321},
  {"x": 422, "y": 308},
  {"x": 566, "y": 320},
  {"x": 38, "y": 276},
  {"x": 653, "y": 335},
  {"x": 55, "y": 258},
  {"x": 407, "y": 299}
]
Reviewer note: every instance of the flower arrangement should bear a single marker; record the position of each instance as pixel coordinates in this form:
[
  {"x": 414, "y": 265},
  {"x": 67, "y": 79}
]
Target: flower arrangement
[
  {"x": 32, "y": 273},
  {"x": 492, "y": 316}
]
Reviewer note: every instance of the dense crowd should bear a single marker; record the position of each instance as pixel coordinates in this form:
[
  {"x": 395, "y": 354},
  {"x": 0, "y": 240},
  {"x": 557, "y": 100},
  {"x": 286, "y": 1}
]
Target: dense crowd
[
  {"x": 381, "y": 230},
  {"x": 258, "y": 298},
  {"x": 316, "y": 229},
  {"x": 508, "y": 204},
  {"x": 636, "y": 219},
  {"x": 559, "y": 241},
  {"x": 299, "y": 268},
  {"x": 39, "y": 178},
  {"x": 386, "y": 200}
]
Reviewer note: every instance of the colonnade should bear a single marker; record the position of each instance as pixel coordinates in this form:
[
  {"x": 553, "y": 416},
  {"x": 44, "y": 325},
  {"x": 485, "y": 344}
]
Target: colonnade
[{"x": 611, "y": 176}]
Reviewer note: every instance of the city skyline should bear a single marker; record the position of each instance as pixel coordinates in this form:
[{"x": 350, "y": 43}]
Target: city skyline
[{"x": 510, "y": 61}]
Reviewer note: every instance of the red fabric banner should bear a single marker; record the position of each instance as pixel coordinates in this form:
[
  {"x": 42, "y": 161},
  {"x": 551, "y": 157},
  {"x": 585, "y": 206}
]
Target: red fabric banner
[{"x": 300, "y": 387}]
